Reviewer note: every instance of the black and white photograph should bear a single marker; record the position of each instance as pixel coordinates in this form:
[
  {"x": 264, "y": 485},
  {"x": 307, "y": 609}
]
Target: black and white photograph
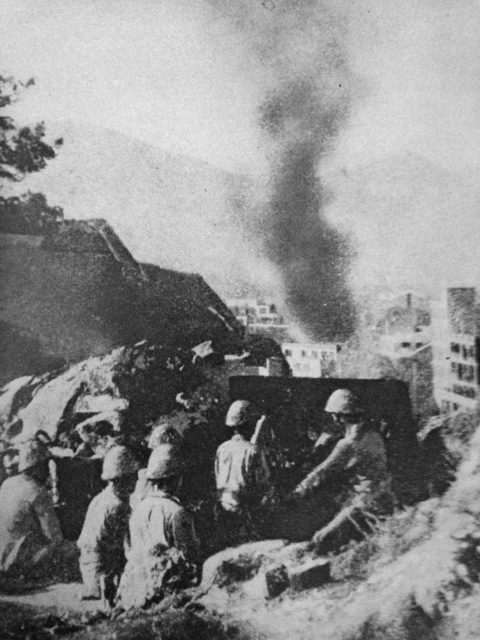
[{"x": 239, "y": 323}]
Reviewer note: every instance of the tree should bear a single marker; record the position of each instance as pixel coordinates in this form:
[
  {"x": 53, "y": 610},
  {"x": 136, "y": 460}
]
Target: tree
[
  {"x": 23, "y": 150},
  {"x": 29, "y": 214}
]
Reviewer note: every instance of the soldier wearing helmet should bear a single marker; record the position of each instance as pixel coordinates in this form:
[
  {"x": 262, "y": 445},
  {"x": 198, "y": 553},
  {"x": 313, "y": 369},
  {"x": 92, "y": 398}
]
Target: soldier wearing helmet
[
  {"x": 162, "y": 433},
  {"x": 359, "y": 458},
  {"x": 164, "y": 546},
  {"x": 241, "y": 473},
  {"x": 29, "y": 528},
  {"x": 105, "y": 530},
  {"x": 361, "y": 450}
]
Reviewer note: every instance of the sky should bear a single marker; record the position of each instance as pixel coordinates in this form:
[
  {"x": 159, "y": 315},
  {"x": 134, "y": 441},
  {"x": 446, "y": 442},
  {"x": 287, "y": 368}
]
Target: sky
[
  {"x": 420, "y": 60},
  {"x": 160, "y": 71},
  {"x": 187, "y": 77},
  {"x": 175, "y": 74}
]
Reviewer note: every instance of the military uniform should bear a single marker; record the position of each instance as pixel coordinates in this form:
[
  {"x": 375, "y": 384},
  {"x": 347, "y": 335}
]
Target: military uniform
[
  {"x": 164, "y": 550},
  {"x": 359, "y": 461},
  {"x": 361, "y": 451},
  {"x": 29, "y": 527},
  {"x": 103, "y": 540},
  {"x": 241, "y": 475}
]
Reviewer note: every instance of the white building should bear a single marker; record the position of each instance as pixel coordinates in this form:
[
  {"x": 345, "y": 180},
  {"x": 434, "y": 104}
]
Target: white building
[
  {"x": 258, "y": 316},
  {"x": 312, "y": 360},
  {"x": 455, "y": 350},
  {"x": 404, "y": 344}
]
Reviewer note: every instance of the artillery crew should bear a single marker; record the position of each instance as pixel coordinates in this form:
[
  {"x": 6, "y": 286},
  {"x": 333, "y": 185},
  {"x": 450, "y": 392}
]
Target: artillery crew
[{"x": 138, "y": 542}]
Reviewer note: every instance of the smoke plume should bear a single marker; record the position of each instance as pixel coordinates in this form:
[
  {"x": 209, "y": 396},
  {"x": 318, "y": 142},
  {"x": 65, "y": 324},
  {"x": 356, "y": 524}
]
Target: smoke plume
[{"x": 306, "y": 102}]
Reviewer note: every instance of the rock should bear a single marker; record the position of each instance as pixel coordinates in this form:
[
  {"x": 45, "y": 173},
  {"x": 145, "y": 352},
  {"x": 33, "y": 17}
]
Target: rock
[
  {"x": 276, "y": 581},
  {"x": 310, "y": 575},
  {"x": 255, "y": 590},
  {"x": 294, "y": 552},
  {"x": 239, "y": 563}
]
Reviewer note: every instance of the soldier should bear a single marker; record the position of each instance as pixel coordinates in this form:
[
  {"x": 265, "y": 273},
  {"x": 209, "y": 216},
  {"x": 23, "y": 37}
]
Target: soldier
[
  {"x": 164, "y": 546},
  {"x": 162, "y": 433},
  {"x": 9, "y": 462},
  {"x": 358, "y": 460},
  {"x": 241, "y": 475},
  {"x": 29, "y": 528},
  {"x": 105, "y": 530}
]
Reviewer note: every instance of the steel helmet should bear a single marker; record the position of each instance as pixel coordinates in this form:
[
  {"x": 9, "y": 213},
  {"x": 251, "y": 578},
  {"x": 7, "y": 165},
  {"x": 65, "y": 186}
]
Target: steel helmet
[
  {"x": 165, "y": 461},
  {"x": 163, "y": 433},
  {"x": 31, "y": 453},
  {"x": 241, "y": 412},
  {"x": 118, "y": 462},
  {"x": 343, "y": 402}
]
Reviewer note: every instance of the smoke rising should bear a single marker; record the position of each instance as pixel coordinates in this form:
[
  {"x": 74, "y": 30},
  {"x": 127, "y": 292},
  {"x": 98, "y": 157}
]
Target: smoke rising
[{"x": 305, "y": 104}]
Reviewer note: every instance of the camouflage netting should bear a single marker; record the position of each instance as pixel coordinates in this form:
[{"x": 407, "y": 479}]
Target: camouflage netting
[{"x": 139, "y": 383}]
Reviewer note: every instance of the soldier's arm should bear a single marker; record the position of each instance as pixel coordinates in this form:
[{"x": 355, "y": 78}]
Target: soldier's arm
[
  {"x": 262, "y": 470},
  {"x": 340, "y": 458},
  {"x": 47, "y": 518},
  {"x": 185, "y": 536}
]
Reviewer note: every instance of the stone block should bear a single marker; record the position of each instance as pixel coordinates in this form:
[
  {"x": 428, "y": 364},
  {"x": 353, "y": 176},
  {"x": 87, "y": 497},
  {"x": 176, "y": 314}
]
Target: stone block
[
  {"x": 276, "y": 580},
  {"x": 310, "y": 575}
]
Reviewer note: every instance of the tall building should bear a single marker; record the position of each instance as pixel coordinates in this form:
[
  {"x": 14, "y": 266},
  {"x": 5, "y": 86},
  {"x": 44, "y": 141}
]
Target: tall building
[
  {"x": 312, "y": 360},
  {"x": 456, "y": 350},
  {"x": 259, "y": 317}
]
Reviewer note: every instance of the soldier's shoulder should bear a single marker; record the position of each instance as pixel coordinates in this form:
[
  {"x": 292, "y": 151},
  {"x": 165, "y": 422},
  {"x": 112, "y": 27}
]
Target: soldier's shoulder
[
  {"x": 12, "y": 489},
  {"x": 105, "y": 500}
]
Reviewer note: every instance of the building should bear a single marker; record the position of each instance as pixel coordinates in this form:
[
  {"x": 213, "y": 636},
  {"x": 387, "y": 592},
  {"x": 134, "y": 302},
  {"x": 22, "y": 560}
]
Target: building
[
  {"x": 456, "y": 350},
  {"x": 259, "y": 317},
  {"x": 404, "y": 344},
  {"x": 312, "y": 360},
  {"x": 76, "y": 292}
]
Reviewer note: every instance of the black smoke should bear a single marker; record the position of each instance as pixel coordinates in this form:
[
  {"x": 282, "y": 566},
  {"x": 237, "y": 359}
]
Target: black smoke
[
  {"x": 308, "y": 93},
  {"x": 311, "y": 256}
]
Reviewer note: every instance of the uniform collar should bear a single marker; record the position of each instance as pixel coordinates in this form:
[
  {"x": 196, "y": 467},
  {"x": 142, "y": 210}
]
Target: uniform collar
[
  {"x": 357, "y": 429},
  {"x": 159, "y": 493}
]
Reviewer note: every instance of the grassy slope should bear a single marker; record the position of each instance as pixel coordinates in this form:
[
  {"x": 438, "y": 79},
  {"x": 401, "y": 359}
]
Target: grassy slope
[{"x": 417, "y": 579}]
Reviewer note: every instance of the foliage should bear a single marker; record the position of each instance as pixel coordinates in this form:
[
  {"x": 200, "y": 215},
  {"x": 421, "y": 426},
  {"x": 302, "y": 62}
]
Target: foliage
[
  {"x": 23, "y": 150},
  {"x": 28, "y": 214}
]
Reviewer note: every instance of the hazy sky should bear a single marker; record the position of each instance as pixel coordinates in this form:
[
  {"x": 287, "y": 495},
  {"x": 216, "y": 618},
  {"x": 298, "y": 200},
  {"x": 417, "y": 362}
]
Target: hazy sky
[
  {"x": 420, "y": 60},
  {"x": 183, "y": 76},
  {"x": 176, "y": 74},
  {"x": 164, "y": 71}
]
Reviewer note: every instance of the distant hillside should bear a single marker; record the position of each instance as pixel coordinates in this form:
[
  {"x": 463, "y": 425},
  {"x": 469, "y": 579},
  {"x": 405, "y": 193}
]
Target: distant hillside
[
  {"x": 77, "y": 291},
  {"x": 174, "y": 211},
  {"x": 412, "y": 221}
]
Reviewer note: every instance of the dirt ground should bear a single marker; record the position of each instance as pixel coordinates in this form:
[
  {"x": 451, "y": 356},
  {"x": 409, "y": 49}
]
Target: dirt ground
[{"x": 57, "y": 599}]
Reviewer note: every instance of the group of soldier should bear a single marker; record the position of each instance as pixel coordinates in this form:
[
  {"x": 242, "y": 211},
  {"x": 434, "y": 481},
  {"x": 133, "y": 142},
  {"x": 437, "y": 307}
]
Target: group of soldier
[{"x": 139, "y": 543}]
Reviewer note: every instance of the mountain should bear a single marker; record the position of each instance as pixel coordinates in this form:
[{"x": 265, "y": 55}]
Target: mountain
[
  {"x": 410, "y": 220},
  {"x": 173, "y": 211}
]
